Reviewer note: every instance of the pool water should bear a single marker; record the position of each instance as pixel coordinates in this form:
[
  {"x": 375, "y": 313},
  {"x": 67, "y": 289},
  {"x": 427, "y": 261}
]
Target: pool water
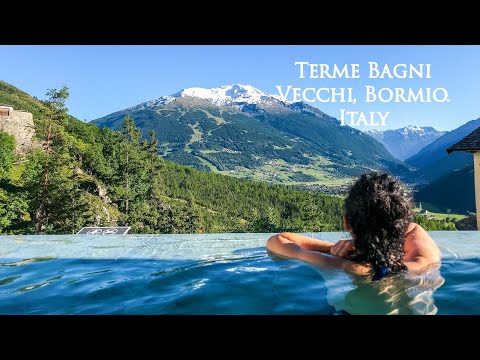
[{"x": 219, "y": 274}]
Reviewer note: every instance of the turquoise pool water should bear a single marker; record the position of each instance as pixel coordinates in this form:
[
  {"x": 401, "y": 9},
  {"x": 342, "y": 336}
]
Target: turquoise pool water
[{"x": 218, "y": 274}]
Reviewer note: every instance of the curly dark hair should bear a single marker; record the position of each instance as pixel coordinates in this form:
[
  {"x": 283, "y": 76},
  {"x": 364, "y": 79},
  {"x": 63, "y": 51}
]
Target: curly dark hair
[{"x": 379, "y": 209}]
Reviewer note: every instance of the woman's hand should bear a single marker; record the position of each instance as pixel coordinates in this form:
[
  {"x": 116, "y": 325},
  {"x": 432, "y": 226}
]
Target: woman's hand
[{"x": 342, "y": 248}]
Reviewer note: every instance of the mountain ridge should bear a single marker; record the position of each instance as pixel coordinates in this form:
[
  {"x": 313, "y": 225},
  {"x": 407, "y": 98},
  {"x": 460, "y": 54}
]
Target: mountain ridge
[
  {"x": 439, "y": 192},
  {"x": 237, "y": 97},
  {"x": 242, "y": 131},
  {"x": 433, "y": 159},
  {"x": 406, "y": 141}
]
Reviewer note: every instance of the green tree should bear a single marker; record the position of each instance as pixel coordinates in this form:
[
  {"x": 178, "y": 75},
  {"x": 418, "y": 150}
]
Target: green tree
[
  {"x": 432, "y": 224},
  {"x": 133, "y": 169},
  {"x": 7, "y": 153},
  {"x": 55, "y": 112},
  {"x": 51, "y": 175},
  {"x": 266, "y": 222},
  {"x": 13, "y": 207},
  {"x": 152, "y": 147},
  {"x": 83, "y": 175}
]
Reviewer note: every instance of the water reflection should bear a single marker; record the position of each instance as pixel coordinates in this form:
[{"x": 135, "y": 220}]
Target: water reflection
[
  {"x": 28, "y": 261},
  {"x": 402, "y": 294}
]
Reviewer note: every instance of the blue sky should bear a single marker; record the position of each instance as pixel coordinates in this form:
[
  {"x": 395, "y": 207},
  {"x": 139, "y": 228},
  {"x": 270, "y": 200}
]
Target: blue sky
[{"x": 105, "y": 79}]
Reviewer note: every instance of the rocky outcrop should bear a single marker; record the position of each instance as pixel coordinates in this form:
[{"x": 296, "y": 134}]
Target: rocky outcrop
[{"x": 20, "y": 125}]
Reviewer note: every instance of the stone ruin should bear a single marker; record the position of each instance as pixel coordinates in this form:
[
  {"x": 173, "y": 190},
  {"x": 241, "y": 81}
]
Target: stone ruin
[{"x": 20, "y": 125}]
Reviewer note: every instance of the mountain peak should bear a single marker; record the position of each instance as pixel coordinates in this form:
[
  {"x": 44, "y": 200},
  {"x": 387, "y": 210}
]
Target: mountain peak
[
  {"x": 237, "y": 97},
  {"x": 407, "y": 141},
  {"x": 228, "y": 94},
  {"x": 413, "y": 127}
]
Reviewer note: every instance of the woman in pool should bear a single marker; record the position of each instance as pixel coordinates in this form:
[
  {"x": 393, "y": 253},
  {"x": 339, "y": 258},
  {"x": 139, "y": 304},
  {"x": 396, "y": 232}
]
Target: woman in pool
[{"x": 378, "y": 214}]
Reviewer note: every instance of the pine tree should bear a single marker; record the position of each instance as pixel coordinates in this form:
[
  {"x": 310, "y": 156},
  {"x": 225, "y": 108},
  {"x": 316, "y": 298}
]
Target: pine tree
[
  {"x": 55, "y": 113},
  {"x": 135, "y": 180},
  {"x": 49, "y": 176},
  {"x": 129, "y": 142}
]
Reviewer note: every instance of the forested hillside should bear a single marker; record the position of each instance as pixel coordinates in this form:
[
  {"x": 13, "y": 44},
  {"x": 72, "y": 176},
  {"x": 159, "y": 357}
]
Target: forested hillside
[
  {"x": 454, "y": 191},
  {"x": 84, "y": 175},
  {"x": 80, "y": 175}
]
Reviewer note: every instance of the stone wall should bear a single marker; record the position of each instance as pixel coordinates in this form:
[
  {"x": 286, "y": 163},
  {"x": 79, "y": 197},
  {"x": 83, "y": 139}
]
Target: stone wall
[{"x": 20, "y": 125}]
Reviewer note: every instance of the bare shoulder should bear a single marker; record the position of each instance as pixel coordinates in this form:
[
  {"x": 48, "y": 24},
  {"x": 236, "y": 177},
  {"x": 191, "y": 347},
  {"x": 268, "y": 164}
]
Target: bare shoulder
[
  {"x": 417, "y": 232},
  {"x": 420, "y": 248}
]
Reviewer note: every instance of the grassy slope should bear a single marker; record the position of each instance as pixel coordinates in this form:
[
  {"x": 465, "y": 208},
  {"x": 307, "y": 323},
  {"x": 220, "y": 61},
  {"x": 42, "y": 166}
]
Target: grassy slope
[{"x": 443, "y": 216}]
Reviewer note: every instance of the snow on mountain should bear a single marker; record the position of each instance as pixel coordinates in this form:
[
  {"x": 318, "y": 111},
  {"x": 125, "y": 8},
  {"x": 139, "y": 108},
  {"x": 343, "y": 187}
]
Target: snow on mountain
[
  {"x": 407, "y": 141},
  {"x": 230, "y": 96},
  {"x": 238, "y": 126},
  {"x": 417, "y": 130},
  {"x": 162, "y": 100}
]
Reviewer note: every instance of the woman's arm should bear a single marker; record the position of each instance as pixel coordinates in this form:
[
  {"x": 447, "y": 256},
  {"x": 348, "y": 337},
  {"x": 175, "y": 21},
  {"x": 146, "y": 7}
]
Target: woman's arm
[
  {"x": 305, "y": 242},
  {"x": 310, "y": 250}
]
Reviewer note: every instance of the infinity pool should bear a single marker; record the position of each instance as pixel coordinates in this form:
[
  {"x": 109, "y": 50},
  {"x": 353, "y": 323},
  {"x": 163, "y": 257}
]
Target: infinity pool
[{"x": 219, "y": 274}]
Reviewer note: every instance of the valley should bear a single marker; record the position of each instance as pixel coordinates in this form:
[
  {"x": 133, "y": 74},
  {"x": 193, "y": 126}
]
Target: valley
[
  {"x": 240, "y": 131},
  {"x": 236, "y": 131},
  {"x": 279, "y": 171}
]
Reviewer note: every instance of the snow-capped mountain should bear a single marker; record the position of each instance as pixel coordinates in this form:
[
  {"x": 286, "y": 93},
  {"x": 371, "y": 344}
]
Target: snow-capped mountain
[
  {"x": 237, "y": 97},
  {"x": 240, "y": 130},
  {"x": 407, "y": 141},
  {"x": 434, "y": 161},
  {"x": 226, "y": 95}
]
